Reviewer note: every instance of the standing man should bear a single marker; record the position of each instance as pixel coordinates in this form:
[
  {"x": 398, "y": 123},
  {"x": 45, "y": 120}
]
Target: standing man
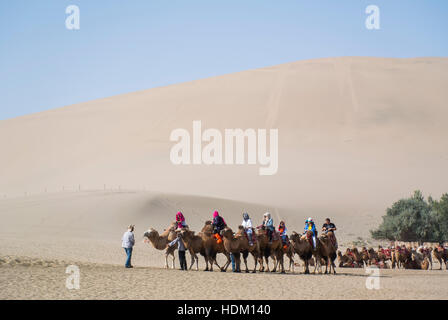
[
  {"x": 181, "y": 249},
  {"x": 127, "y": 242}
]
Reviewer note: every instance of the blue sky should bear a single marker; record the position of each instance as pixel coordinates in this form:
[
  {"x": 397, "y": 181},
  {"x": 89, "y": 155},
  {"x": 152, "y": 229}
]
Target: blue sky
[{"x": 125, "y": 46}]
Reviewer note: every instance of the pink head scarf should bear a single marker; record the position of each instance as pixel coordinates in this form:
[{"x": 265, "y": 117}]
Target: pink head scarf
[
  {"x": 180, "y": 217},
  {"x": 216, "y": 214}
]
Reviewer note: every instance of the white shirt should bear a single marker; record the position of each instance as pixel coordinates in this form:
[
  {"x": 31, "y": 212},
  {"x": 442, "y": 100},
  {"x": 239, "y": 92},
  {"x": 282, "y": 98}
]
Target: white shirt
[
  {"x": 128, "y": 240},
  {"x": 247, "y": 224}
]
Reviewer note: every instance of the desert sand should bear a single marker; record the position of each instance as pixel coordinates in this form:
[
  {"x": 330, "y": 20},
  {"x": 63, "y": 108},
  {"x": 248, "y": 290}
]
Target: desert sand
[
  {"x": 355, "y": 135},
  {"x": 26, "y": 278}
]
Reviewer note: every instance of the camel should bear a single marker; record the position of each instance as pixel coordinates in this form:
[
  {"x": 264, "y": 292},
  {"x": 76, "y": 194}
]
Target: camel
[
  {"x": 421, "y": 261},
  {"x": 373, "y": 255},
  {"x": 360, "y": 258},
  {"x": 384, "y": 255},
  {"x": 289, "y": 252},
  {"x": 400, "y": 256},
  {"x": 246, "y": 248},
  {"x": 326, "y": 249},
  {"x": 267, "y": 249},
  {"x": 194, "y": 244},
  {"x": 233, "y": 245},
  {"x": 160, "y": 242},
  {"x": 345, "y": 261},
  {"x": 212, "y": 247},
  {"x": 304, "y": 250},
  {"x": 427, "y": 253},
  {"x": 417, "y": 261},
  {"x": 441, "y": 254}
]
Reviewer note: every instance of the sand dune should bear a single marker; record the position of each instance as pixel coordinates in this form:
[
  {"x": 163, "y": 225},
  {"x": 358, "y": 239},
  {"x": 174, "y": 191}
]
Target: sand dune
[{"x": 354, "y": 134}]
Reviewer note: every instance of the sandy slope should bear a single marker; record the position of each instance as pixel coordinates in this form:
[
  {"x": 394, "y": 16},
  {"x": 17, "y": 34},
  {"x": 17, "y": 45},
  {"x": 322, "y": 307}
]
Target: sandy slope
[{"x": 354, "y": 135}]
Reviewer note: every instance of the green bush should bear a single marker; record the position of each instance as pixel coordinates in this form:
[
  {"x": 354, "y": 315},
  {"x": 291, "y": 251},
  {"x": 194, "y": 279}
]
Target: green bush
[{"x": 415, "y": 219}]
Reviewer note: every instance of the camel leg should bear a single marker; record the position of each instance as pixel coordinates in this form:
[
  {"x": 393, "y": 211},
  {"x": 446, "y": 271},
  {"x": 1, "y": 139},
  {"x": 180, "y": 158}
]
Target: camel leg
[
  {"x": 208, "y": 259},
  {"x": 192, "y": 259},
  {"x": 255, "y": 262},
  {"x": 334, "y": 267},
  {"x": 172, "y": 259},
  {"x": 245, "y": 255},
  {"x": 266, "y": 258},
  {"x": 291, "y": 262},
  {"x": 260, "y": 261},
  {"x": 281, "y": 262},
  {"x": 274, "y": 258},
  {"x": 224, "y": 268},
  {"x": 306, "y": 266}
]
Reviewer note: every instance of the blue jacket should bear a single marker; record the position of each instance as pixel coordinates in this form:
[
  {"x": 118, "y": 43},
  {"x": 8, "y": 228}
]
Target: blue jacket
[
  {"x": 311, "y": 227},
  {"x": 269, "y": 224}
]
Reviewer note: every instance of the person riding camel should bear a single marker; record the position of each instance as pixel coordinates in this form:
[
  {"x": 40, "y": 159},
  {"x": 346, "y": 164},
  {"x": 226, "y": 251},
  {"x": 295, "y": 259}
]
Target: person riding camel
[
  {"x": 180, "y": 221},
  {"x": 268, "y": 223},
  {"x": 247, "y": 225},
  {"x": 218, "y": 225},
  {"x": 310, "y": 226},
  {"x": 283, "y": 233},
  {"x": 330, "y": 226}
]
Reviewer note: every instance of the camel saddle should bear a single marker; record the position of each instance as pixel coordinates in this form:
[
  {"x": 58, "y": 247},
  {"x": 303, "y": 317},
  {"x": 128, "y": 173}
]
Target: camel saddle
[
  {"x": 254, "y": 236},
  {"x": 309, "y": 236}
]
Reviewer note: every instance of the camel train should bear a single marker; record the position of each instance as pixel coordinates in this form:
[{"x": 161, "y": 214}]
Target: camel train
[
  {"x": 323, "y": 253},
  {"x": 260, "y": 247}
]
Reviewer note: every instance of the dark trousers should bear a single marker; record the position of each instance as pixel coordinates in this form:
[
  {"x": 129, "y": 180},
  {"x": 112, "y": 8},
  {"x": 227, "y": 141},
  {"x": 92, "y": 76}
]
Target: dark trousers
[
  {"x": 232, "y": 258},
  {"x": 182, "y": 260},
  {"x": 270, "y": 232},
  {"x": 128, "y": 257}
]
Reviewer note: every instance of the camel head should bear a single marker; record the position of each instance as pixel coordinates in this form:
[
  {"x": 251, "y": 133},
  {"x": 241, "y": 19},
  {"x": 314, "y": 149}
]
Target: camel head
[
  {"x": 186, "y": 234},
  {"x": 227, "y": 233},
  {"x": 150, "y": 234},
  {"x": 208, "y": 227},
  {"x": 240, "y": 231},
  {"x": 295, "y": 236}
]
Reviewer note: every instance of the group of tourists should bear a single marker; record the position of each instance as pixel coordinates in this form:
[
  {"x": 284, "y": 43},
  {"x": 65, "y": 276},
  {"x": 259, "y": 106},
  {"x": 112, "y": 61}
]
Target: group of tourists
[{"x": 219, "y": 224}]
